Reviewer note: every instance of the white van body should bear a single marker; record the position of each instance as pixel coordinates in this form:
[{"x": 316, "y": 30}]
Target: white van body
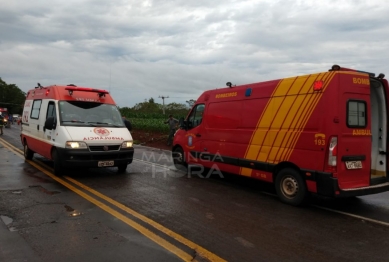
[{"x": 76, "y": 127}]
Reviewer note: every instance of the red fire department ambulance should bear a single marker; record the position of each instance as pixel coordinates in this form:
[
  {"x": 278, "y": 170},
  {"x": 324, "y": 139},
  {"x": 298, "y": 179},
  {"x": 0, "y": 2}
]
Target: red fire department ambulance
[
  {"x": 323, "y": 133},
  {"x": 76, "y": 127}
]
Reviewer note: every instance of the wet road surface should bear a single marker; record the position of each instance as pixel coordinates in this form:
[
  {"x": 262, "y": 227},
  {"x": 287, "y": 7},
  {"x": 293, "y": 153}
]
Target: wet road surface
[{"x": 236, "y": 219}]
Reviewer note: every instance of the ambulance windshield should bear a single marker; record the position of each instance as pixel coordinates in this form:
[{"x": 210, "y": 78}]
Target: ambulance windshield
[{"x": 77, "y": 113}]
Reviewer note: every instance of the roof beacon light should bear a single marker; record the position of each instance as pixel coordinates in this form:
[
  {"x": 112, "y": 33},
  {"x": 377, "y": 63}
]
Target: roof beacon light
[
  {"x": 335, "y": 68},
  {"x": 317, "y": 85},
  {"x": 100, "y": 92}
]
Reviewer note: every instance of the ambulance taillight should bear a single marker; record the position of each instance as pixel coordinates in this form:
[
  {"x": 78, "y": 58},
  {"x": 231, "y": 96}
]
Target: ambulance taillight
[{"x": 332, "y": 154}]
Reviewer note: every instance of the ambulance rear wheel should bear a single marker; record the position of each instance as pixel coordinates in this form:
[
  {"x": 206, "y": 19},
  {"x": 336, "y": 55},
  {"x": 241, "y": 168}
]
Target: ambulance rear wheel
[
  {"x": 179, "y": 159},
  {"x": 122, "y": 168},
  {"x": 58, "y": 170},
  {"x": 28, "y": 153},
  {"x": 290, "y": 187}
]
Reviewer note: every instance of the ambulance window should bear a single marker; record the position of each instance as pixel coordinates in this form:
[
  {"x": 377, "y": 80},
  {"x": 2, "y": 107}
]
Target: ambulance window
[
  {"x": 356, "y": 113},
  {"x": 36, "y": 107},
  {"x": 196, "y": 116},
  {"x": 51, "y": 110}
]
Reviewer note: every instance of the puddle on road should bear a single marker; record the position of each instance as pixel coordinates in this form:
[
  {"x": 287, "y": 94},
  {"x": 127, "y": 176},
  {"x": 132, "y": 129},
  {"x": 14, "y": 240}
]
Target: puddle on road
[
  {"x": 73, "y": 212},
  {"x": 44, "y": 190},
  {"x": 7, "y": 221},
  {"x": 31, "y": 172}
]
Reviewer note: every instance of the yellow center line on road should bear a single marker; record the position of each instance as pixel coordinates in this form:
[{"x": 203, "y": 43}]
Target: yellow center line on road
[
  {"x": 200, "y": 250},
  {"x": 160, "y": 241},
  {"x": 11, "y": 147}
]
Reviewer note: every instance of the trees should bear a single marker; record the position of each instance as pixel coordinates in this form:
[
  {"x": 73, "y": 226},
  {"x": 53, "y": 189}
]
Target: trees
[
  {"x": 11, "y": 97},
  {"x": 191, "y": 102},
  {"x": 150, "y": 109}
]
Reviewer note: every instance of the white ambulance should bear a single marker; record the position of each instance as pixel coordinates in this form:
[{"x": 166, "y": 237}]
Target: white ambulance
[{"x": 76, "y": 127}]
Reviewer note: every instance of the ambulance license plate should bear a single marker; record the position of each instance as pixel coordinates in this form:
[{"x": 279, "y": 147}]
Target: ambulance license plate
[
  {"x": 353, "y": 164},
  {"x": 105, "y": 163}
]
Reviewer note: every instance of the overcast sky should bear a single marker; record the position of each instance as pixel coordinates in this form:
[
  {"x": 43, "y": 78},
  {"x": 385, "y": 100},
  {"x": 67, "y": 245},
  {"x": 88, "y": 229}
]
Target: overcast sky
[{"x": 180, "y": 48}]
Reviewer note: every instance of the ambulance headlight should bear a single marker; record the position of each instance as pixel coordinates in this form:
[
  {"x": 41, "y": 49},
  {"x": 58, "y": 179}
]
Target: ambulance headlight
[
  {"x": 127, "y": 144},
  {"x": 76, "y": 145}
]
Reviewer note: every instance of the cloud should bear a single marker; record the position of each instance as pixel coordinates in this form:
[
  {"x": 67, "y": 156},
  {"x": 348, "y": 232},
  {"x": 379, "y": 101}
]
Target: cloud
[{"x": 143, "y": 49}]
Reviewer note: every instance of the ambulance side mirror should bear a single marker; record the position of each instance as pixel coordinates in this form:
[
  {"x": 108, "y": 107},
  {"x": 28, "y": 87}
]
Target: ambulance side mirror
[
  {"x": 50, "y": 123},
  {"x": 182, "y": 123}
]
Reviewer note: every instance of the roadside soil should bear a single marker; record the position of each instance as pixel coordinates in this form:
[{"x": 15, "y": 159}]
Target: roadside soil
[{"x": 151, "y": 139}]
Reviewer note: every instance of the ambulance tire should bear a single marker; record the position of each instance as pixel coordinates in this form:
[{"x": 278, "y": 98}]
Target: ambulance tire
[
  {"x": 28, "y": 153},
  {"x": 290, "y": 187},
  {"x": 179, "y": 159},
  {"x": 58, "y": 170},
  {"x": 122, "y": 169}
]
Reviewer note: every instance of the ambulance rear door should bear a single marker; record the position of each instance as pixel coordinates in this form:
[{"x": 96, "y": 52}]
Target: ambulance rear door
[
  {"x": 379, "y": 131},
  {"x": 354, "y": 145}
]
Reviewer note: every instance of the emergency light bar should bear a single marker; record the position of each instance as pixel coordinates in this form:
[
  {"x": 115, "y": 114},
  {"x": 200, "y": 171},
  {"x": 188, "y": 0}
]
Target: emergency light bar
[{"x": 101, "y": 92}]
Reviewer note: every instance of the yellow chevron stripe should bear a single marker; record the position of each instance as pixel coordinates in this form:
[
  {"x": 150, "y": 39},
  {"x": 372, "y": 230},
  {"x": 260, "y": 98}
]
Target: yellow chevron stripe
[
  {"x": 289, "y": 123},
  {"x": 327, "y": 79},
  {"x": 274, "y": 117},
  {"x": 283, "y": 119},
  {"x": 271, "y": 118},
  {"x": 303, "y": 104},
  {"x": 311, "y": 108},
  {"x": 263, "y": 124}
]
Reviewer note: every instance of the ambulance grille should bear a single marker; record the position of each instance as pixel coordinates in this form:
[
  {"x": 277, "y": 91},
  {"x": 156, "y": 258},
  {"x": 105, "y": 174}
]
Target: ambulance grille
[{"x": 102, "y": 149}]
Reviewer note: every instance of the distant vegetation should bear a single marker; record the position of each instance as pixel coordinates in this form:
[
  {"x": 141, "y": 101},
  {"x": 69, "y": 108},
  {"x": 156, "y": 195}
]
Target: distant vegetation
[
  {"x": 149, "y": 116},
  {"x": 11, "y": 97}
]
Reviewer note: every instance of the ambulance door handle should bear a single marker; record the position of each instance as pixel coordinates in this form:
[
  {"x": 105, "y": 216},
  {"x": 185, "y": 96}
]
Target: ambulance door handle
[
  {"x": 37, "y": 127},
  {"x": 198, "y": 135}
]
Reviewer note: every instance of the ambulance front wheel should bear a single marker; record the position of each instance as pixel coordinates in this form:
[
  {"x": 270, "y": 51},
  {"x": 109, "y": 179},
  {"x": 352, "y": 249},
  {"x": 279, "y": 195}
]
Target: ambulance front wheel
[
  {"x": 179, "y": 159},
  {"x": 122, "y": 168},
  {"x": 28, "y": 153},
  {"x": 58, "y": 170},
  {"x": 290, "y": 187}
]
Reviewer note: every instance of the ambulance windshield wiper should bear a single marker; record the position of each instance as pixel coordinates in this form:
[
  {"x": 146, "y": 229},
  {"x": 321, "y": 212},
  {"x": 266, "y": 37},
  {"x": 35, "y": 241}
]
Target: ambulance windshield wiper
[
  {"x": 104, "y": 123},
  {"x": 96, "y": 123},
  {"x": 73, "y": 121}
]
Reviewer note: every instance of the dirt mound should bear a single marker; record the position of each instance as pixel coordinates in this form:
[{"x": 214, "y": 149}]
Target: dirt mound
[{"x": 151, "y": 139}]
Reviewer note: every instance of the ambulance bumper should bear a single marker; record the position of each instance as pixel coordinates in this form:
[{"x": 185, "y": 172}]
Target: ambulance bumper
[
  {"x": 361, "y": 191},
  {"x": 71, "y": 158},
  {"x": 328, "y": 186}
]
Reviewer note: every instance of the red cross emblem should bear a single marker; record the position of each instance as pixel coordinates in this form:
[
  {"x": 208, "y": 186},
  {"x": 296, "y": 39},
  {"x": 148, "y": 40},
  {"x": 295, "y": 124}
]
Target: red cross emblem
[{"x": 101, "y": 131}]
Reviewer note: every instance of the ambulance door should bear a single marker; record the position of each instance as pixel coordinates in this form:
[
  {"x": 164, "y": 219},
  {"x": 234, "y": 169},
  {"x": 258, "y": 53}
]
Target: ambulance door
[
  {"x": 378, "y": 115},
  {"x": 354, "y": 145},
  {"x": 195, "y": 133},
  {"x": 34, "y": 127},
  {"x": 49, "y": 135}
]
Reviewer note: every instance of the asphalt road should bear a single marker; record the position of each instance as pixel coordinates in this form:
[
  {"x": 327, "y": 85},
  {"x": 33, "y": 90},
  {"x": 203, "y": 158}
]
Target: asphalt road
[{"x": 154, "y": 213}]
